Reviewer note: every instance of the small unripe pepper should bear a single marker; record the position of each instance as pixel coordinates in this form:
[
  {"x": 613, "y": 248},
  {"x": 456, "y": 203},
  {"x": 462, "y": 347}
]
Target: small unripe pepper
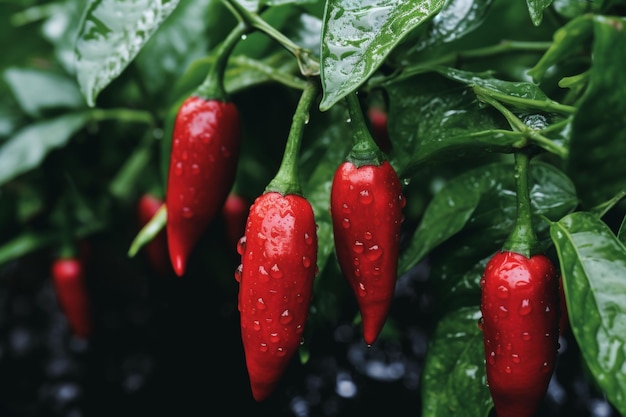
[
  {"x": 520, "y": 314},
  {"x": 278, "y": 267},
  {"x": 68, "y": 277},
  {"x": 366, "y": 209}
]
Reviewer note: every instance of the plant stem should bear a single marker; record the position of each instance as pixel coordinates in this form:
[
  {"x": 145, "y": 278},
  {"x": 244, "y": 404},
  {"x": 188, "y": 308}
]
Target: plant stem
[
  {"x": 149, "y": 231},
  {"x": 364, "y": 150},
  {"x": 522, "y": 239},
  {"x": 544, "y": 105},
  {"x": 122, "y": 115},
  {"x": 516, "y": 124},
  {"x": 213, "y": 85},
  {"x": 286, "y": 180},
  {"x": 309, "y": 66}
]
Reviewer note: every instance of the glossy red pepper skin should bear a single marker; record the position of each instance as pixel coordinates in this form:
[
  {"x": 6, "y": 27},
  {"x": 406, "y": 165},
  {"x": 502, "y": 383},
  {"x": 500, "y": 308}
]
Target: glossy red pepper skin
[
  {"x": 235, "y": 213},
  {"x": 68, "y": 279},
  {"x": 278, "y": 267},
  {"x": 156, "y": 250},
  {"x": 520, "y": 323},
  {"x": 205, "y": 151},
  {"x": 366, "y": 208}
]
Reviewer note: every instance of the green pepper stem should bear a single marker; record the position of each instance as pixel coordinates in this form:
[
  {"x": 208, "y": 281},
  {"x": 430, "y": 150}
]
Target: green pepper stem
[
  {"x": 364, "y": 149},
  {"x": 309, "y": 66},
  {"x": 286, "y": 180},
  {"x": 522, "y": 239},
  {"x": 213, "y": 85}
]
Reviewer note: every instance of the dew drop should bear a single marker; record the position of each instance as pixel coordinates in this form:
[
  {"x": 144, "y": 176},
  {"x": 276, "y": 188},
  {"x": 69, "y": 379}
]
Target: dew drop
[
  {"x": 256, "y": 325},
  {"x": 263, "y": 347},
  {"x": 545, "y": 367},
  {"x": 515, "y": 358},
  {"x": 195, "y": 169},
  {"x": 178, "y": 168},
  {"x": 345, "y": 223},
  {"x": 299, "y": 298},
  {"x": 526, "y": 336},
  {"x": 264, "y": 276},
  {"x": 280, "y": 352},
  {"x": 187, "y": 213},
  {"x": 306, "y": 261},
  {"x": 480, "y": 323},
  {"x": 503, "y": 311},
  {"x": 365, "y": 197},
  {"x": 521, "y": 284},
  {"x": 402, "y": 201},
  {"x": 345, "y": 208},
  {"x": 525, "y": 308},
  {"x": 358, "y": 247},
  {"x": 362, "y": 291},
  {"x": 185, "y": 155},
  {"x": 492, "y": 358},
  {"x": 274, "y": 337},
  {"x": 308, "y": 239},
  {"x": 241, "y": 245},
  {"x": 261, "y": 236},
  {"x": 507, "y": 369},
  {"x": 374, "y": 253},
  {"x": 367, "y": 235},
  {"x": 238, "y": 273},
  {"x": 376, "y": 272},
  {"x": 285, "y": 317},
  {"x": 260, "y": 304},
  {"x": 482, "y": 283},
  {"x": 299, "y": 330},
  {"x": 503, "y": 292},
  {"x": 275, "y": 271}
]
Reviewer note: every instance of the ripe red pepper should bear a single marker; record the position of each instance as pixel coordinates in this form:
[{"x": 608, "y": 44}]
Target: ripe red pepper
[
  {"x": 520, "y": 307},
  {"x": 203, "y": 164},
  {"x": 366, "y": 209},
  {"x": 278, "y": 265},
  {"x": 366, "y": 205},
  {"x": 234, "y": 213},
  {"x": 378, "y": 120},
  {"x": 156, "y": 250},
  {"x": 520, "y": 313},
  {"x": 68, "y": 279}
]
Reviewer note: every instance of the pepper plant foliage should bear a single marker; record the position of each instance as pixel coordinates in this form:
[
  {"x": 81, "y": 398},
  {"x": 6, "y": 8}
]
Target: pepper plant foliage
[{"x": 86, "y": 116}]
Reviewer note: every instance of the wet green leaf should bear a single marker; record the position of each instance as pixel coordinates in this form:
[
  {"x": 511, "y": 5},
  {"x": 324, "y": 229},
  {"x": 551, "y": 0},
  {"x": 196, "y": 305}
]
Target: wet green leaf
[
  {"x": 597, "y": 160},
  {"x": 432, "y": 119},
  {"x": 454, "y": 382},
  {"x": 474, "y": 213},
  {"x": 357, "y": 37},
  {"x": 536, "y": 8},
  {"x": 29, "y": 146},
  {"x": 111, "y": 34},
  {"x": 38, "y": 91},
  {"x": 593, "y": 265}
]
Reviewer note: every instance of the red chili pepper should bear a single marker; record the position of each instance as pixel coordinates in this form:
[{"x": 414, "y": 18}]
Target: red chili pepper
[
  {"x": 156, "y": 250},
  {"x": 278, "y": 265},
  {"x": 69, "y": 283},
  {"x": 235, "y": 212},
  {"x": 380, "y": 132},
  {"x": 520, "y": 307},
  {"x": 366, "y": 210},
  {"x": 203, "y": 164}
]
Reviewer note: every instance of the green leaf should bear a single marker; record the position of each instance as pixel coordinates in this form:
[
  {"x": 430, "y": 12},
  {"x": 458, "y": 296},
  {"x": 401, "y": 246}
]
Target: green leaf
[
  {"x": 454, "y": 382},
  {"x": 593, "y": 266},
  {"x": 29, "y": 146},
  {"x": 597, "y": 158},
  {"x": 536, "y": 8},
  {"x": 433, "y": 119},
  {"x": 481, "y": 203},
  {"x": 39, "y": 90},
  {"x": 111, "y": 34},
  {"x": 357, "y": 37},
  {"x": 195, "y": 27}
]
